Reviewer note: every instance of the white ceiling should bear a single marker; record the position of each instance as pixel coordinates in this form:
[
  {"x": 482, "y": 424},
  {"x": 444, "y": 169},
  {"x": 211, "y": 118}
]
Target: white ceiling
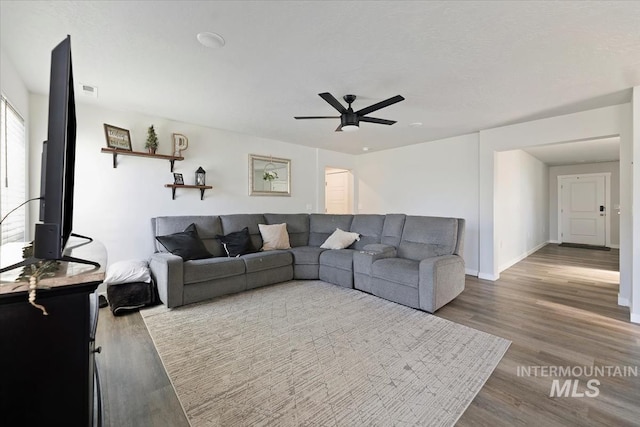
[
  {"x": 462, "y": 66},
  {"x": 591, "y": 151}
]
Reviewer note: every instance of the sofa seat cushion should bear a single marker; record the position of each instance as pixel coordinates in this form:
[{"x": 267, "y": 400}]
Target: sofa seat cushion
[
  {"x": 338, "y": 258},
  {"x": 202, "y": 270},
  {"x": 306, "y": 255},
  {"x": 261, "y": 261},
  {"x": 397, "y": 270}
]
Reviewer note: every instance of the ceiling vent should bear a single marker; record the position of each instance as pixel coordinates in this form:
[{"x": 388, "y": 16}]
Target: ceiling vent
[{"x": 88, "y": 90}]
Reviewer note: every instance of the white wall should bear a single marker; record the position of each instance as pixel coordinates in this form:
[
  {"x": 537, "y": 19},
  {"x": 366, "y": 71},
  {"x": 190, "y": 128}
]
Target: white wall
[
  {"x": 438, "y": 178},
  {"x": 635, "y": 191},
  {"x": 626, "y": 214},
  {"x": 522, "y": 206},
  {"x": 12, "y": 86},
  {"x": 114, "y": 206},
  {"x": 622, "y": 120},
  {"x": 606, "y": 167},
  {"x": 14, "y": 89},
  {"x": 601, "y": 122},
  {"x": 450, "y": 177}
]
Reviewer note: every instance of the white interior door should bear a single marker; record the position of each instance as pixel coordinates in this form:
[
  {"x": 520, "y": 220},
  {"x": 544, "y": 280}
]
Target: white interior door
[
  {"x": 583, "y": 210},
  {"x": 337, "y": 191}
]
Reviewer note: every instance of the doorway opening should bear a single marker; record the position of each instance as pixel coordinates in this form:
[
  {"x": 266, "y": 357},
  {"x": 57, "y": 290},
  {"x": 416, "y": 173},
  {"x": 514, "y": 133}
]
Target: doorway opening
[
  {"x": 338, "y": 192},
  {"x": 577, "y": 184},
  {"x": 584, "y": 202}
]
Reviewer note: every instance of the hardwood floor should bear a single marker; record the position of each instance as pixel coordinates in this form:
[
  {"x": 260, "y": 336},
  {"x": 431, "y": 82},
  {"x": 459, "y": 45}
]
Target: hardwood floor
[
  {"x": 558, "y": 307},
  {"x": 135, "y": 387}
]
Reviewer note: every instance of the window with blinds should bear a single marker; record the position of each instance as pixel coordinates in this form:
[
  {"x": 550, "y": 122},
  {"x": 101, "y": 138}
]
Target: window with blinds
[{"x": 13, "y": 188}]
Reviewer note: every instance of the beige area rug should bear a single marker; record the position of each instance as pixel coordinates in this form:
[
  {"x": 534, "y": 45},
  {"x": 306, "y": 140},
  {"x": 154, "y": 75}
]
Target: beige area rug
[{"x": 308, "y": 353}]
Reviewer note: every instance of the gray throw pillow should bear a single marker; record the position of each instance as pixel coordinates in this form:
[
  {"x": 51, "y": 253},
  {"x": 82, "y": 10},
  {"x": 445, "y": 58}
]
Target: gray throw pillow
[{"x": 187, "y": 244}]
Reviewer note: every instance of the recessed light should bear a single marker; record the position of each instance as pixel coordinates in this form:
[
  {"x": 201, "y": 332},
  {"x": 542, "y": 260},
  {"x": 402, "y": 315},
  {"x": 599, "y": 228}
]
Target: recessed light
[
  {"x": 211, "y": 40},
  {"x": 415, "y": 125},
  {"x": 365, "y": 148}
]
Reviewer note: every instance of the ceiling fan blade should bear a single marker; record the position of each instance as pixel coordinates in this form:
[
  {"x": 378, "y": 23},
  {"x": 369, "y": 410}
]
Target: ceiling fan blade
[
  {"x": 339, "y": 128},
  {"x": 333, "y": 101},
  {"x": 379, "y": 105},
  {"x": 317, "y": 117},
  {"x": 379, "y": 121}
]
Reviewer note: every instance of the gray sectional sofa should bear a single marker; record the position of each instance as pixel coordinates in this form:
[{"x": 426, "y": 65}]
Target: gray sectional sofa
[{"x": 412, "y": 260}]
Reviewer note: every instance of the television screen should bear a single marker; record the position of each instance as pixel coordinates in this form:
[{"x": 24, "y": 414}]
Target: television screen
[
  {"x": 58, "y": 159},
  {"x": 57, "y": 173}
]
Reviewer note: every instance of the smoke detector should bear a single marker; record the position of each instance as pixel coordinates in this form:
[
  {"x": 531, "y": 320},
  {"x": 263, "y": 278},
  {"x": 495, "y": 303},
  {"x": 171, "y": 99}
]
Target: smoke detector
[{"x": 211, "y": 40}]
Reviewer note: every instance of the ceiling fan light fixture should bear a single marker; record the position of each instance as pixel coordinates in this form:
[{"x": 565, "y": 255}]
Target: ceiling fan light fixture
[{"x": 349, "y": 119}]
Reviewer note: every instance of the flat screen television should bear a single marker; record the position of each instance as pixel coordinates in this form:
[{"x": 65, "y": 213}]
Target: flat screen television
[{"x": 58, "y": 165}]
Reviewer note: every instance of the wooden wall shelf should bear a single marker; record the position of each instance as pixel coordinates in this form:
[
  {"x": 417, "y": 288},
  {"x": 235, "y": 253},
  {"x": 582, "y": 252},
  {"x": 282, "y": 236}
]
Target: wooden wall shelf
[
  {"x": 116, "y": 152},
  {"x": 199, "y": 187}
]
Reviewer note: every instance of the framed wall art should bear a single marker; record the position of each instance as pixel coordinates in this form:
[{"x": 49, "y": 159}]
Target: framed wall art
[
  {"x": 269, "y": 176},
  {"x": 117, "y": 138}
]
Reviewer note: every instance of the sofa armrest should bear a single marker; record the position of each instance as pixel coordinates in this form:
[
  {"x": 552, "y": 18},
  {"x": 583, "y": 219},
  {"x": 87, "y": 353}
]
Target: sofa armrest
[
  {"x": 379, "y": 247},
  {"x": 166, "y": 270},
  {"x": 441, "y": 280},
  {"x": 363, "y": 260}
]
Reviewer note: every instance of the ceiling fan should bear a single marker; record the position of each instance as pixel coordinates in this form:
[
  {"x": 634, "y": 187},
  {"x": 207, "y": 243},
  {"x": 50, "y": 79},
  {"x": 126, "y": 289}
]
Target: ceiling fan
[{"x": 349, "y": 120}]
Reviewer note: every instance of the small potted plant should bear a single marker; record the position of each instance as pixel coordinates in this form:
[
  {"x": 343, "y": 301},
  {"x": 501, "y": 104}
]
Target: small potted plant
[{"x": 152, "y": 140}]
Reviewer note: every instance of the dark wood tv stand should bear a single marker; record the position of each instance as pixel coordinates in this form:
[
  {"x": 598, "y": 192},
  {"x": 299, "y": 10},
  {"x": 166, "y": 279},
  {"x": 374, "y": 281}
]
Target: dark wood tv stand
[{"x": 47, "y": 363}]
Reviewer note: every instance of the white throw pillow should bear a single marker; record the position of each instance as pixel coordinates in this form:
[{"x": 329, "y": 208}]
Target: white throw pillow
[
  {"x": 340, "y": 240},
  {"x": 274, "y": 236},
  {"x": 127, "y": 272}
]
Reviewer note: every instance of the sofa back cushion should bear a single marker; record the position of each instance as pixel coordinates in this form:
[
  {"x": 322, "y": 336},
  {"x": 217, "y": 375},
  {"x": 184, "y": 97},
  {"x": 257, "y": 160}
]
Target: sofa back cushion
[
  {"x": 297, "y": 227},
  {"x": 321, "y": 226},
  {"x": 236, "y": 222},
  {"x": 392, "y": 229},
  {"x": 208, "y": 228},
  {"x": 369, "y": 227},
  {"x": 427, "y": 236}
]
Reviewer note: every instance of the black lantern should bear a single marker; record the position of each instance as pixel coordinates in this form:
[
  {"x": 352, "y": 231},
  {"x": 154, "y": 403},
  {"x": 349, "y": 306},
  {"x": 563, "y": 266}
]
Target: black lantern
[{"x": 200, "y": 173}]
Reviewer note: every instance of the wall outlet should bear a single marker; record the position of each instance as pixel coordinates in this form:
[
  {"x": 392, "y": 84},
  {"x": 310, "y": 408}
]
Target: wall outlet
[{"x": 309, "y": 207}]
